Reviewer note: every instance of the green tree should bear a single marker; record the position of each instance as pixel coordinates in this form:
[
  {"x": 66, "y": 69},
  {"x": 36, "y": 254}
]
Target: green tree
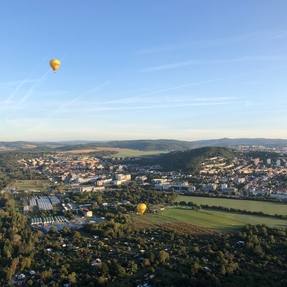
[
  {"x": 163, "y": 256},
  {"x": 72, "y": 277}
]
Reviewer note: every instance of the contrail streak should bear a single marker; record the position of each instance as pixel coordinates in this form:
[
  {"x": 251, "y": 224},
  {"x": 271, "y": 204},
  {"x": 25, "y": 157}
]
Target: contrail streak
[
  {"x": 63, "y": 106},
  {"x": 32, "y": 88}
]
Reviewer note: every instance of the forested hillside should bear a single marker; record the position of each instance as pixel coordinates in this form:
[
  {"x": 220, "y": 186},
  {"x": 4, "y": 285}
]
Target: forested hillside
[{"x": 187, "y": 160}]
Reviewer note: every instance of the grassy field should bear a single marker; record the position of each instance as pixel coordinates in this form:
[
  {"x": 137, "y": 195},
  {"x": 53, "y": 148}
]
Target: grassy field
[
  {"x": 190, "y": 220},
  {"x": 31, "y": 185},
  {"x": 249, "y": 205},
  {"x": 115, "y": 152},
  {"x": 123, "y": 152}
]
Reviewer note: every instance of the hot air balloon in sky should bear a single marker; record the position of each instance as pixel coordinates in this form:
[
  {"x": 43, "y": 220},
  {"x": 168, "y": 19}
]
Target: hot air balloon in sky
[
  {"x": 55, "y": 64},
  {"x": 141, "y": 208}
]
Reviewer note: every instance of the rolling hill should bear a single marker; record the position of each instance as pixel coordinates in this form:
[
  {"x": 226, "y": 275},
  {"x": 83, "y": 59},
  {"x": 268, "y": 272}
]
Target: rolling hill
[
  {"x": 187, "y": 160},
  {"x": 143, "y": 145},
  {"x": 175, "y": 145}
]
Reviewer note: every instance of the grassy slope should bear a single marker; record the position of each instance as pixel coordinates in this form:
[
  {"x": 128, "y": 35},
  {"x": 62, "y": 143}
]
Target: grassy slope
[{"x": 250, "y": 205}]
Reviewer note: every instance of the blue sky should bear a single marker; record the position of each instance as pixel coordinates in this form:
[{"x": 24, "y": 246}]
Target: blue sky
[{"x": 143, "y": 69}]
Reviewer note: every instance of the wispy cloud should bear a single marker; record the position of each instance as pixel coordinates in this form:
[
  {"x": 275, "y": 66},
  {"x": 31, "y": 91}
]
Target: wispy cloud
[
  {"x": 171, "y": 66},
  {"x": 17, "y": 82},
  {"x": 16, "y": 90},
  {"x": 153, "y": 103},
  {"x": 265, "y": 35},
  {"x": 77, "y": 98},
  {"x": 66, "y": 107},
  {"x": 18, "y": 85},
  {"x": 187, "y": 63},
  {"x": 162, "y": 91},
  {"x": 157, "y": 107},
  {"x": 143, "y": 101},
  {"x": 30, "y": 91}
]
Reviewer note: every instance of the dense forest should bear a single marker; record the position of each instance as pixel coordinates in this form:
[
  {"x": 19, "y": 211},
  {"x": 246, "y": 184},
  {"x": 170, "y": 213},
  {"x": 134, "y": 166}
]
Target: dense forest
[{"x": 16, "y": 240}]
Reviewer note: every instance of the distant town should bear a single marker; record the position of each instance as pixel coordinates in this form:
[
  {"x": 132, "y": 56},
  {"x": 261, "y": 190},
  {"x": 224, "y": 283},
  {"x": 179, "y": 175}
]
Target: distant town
[
  {"x": 72, "y": 201},
  {"x": 245, "y": 176}
]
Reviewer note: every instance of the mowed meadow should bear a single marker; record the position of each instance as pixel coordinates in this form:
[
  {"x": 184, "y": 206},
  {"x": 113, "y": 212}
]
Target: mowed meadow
[
  {"x": 189, "y": 220},
  {"x": 249, "y": 205},
  {"x": 186, "y": 219}
]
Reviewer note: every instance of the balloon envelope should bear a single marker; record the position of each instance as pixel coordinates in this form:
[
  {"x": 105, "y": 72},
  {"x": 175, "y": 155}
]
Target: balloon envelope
[
  {"x": 141, "y": 208},
  {"x": 55, "y": 64}
]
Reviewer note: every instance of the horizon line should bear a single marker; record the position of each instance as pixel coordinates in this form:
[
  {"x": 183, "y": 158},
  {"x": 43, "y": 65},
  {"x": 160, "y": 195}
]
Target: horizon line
[{"x": 140, "y": 139}]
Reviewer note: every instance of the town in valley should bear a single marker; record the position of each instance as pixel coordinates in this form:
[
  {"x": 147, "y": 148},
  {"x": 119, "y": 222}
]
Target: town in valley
[{"x": 85, "y": 202}]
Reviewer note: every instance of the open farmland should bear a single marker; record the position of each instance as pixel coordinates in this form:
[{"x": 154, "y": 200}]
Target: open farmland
[
  {"x": 122, "y": 152},
  {"x": 192, "y": 220},
  {"x": 114, "y": 152},
  {"x": 249, "y": 205}
]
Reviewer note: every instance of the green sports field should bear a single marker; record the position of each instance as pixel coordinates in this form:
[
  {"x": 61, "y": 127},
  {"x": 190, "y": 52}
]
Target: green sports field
[
  {"x": 249, "y": 205},
  {"x": 31, "y": 185},
  {"x": 204, "y": 219}
]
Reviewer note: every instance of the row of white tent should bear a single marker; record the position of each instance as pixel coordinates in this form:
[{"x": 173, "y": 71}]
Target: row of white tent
[{"x": 48, "y": 220}]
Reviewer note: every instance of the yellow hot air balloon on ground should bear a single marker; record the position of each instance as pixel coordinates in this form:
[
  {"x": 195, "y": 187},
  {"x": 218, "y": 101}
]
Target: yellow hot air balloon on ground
[
  {"x": 141, "y": 208},
  {"x": 55, "y": 64}
]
